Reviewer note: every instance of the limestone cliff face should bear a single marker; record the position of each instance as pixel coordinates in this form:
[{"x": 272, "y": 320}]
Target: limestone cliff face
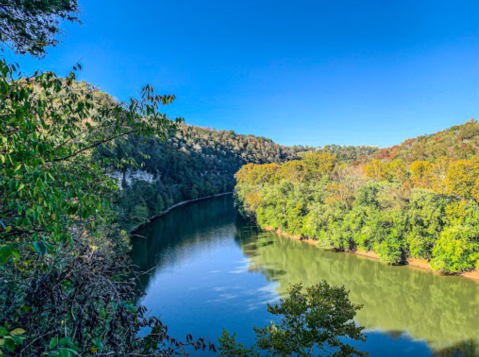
[{"x": 133, "y": 175}]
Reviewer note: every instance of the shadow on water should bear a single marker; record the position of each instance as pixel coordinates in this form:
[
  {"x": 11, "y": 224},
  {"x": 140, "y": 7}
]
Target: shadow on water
[
  {"x": 400, "y": 303},
  {"x": 182, "y": 227}
]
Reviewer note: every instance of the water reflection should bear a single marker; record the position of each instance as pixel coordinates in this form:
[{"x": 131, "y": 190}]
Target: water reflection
[
  {"x": 207, "y": 261},
  {"x": 166, "y": 240},
  {"x": 442, "y": 310}
]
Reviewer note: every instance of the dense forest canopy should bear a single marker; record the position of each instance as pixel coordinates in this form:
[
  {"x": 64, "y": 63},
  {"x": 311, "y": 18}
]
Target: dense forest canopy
[
  {"x": 399, "y": 207},
  {"x": 64, "y": 289},
  {"x": 345, "y": 153}
]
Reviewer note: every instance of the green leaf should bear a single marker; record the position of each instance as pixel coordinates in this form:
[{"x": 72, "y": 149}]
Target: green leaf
[
  {"x": 5, "y": 253},
  {"x": 97, "y": 342},
  {"x": 10, "y": 344},
  {"x": 65, "y": 353},
  {"x": 65, "y": 341},
  {"x": 3, "y": 331},
  {"x": 41, "y": 248},
  {"x": 17, "y": 340},
  {"x": 53, "y": 343}
]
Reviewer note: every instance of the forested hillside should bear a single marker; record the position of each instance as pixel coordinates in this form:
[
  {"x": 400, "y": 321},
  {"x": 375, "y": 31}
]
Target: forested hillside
[
  {"x": 192, "y": 163},
  {"x": 398, "y": 207},
  {"x": 457, "y": 142}
]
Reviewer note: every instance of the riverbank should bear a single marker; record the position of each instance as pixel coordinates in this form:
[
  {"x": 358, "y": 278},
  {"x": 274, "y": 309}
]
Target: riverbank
[
  {"x": 412, "y": 262},
  {"x": 175, "y": 206}
]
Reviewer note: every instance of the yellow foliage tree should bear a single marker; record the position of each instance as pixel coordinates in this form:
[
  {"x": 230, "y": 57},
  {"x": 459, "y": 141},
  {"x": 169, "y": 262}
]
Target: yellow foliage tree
[
  {"x": 377, "y": 170},
  {"x": 293, "y": 171},
  {"x": 319, "y": 164},
  {"x": 462, "y": 179},
  {"x": 420, "y": 174}
]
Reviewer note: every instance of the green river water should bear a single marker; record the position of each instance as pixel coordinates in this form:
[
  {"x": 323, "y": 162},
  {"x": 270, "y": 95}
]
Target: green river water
[{"x": 213, "y": 270}]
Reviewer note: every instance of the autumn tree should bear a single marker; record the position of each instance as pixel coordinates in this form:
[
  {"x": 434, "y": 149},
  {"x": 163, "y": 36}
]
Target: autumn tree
[
  {"x": 377, "y": 170},
  {"x": 319, "y": 164},
  {"x": 462, "y": 179},
  {"x": 293, "y": 171}
]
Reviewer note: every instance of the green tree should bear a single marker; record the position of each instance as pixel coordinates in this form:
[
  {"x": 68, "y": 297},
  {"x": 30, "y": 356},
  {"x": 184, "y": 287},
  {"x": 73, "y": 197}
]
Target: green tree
[
  {"x": 312, "y": 322},
  {"x": 456, "y": 250}
]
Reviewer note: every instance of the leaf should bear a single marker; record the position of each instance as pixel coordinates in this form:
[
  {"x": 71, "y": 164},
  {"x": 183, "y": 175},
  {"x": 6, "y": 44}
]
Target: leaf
[
  {"x": 3, "y": 331},
  {"x": 5, "y": 253},
  {"x": 17, "y": 331},
  {"x": 17, "y": 340},
  {"x": 65, "y": 341},
  {"x": 97, "y": 342},
  {"x": 53, "y": 343},
  {"x": 41, "y": 248},
  {"x": 10, "y": 344},
  {"x": 65, "y": 353}
]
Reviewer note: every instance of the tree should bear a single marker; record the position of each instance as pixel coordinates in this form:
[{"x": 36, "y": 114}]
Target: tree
[
  {"x": 28, "y": 26},
  {"x": 456, "y": 250},
  {"x": 420, "y": 174},
  {"x": 462, "y": 179},
  {"x": 293, "y": 171},
  {"x": 377, "y": 170},
  {"x": 319, "y": 164},
  {"x": 314, "y": 322}
]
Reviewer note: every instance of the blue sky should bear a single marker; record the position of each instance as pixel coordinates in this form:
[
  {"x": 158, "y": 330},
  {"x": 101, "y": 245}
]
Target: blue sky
[{"x": 300, "y": 72}]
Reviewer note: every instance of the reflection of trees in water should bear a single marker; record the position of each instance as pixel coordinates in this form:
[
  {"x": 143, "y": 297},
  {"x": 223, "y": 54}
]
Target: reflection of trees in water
[
  {"x": 183, "y": 227},
  {"x": 465, "y": 348},
  {"x": 442, "y": 310}
]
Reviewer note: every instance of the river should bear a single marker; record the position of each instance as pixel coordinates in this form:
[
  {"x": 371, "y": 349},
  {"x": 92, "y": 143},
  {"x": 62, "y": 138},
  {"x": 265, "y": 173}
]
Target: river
[{"x": 214, "y": 270}]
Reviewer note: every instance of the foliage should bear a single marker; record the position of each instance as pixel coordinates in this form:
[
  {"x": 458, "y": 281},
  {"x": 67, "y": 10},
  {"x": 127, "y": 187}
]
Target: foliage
[
  {"x": 52, "y": 191},
  {"x": 458, "y": 142},
  {"x": 61, "y": 295},
  {"x": 314, "y": 322},
  {"x": 31, "y": 25},
  {"x": 400, "y": 210},
  {"x": 347, "y": 154},
  {"x": 92, "y": 297}
]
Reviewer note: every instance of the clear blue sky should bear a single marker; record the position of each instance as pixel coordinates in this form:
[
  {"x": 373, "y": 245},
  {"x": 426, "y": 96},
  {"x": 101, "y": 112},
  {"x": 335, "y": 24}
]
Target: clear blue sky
[{"x": 300, "y": 72}]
